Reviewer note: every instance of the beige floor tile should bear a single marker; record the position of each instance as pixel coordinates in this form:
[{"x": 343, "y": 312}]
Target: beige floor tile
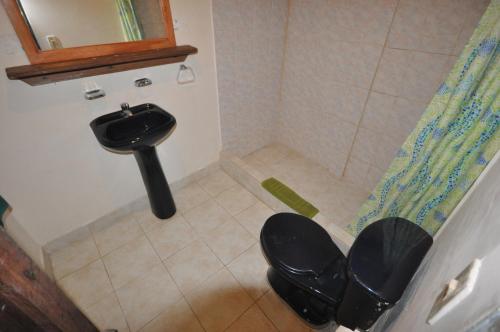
[
  {"x": 254, "y": 218},
  {"x": 192, "y": 265},
  {"x": 74, "y": 256},
  {"x": 88, "y": 285},
  {"x": 115, "y": 233},
  {"x": 280, "y": 314},
  {"x": 172, "y": 236},
  {"x": 251, "y": 321},
  {"x": 207, "y": 216},
  {"x": 107, "y": 314},
  {"x": 148, "y": 220},
  {"x": 130, "y": 261},
  {"x": 177, "y": 318},
  {"x": 250, "y": 269},
  {"x": 146, "y": 297},
  {"x": 229, "y": 240},
  {"x": 218, "y": 301},
  {"x": 217, "y": 182},
  {"x": 190, "y": 197},
  {"x": 236, "y": 199}
]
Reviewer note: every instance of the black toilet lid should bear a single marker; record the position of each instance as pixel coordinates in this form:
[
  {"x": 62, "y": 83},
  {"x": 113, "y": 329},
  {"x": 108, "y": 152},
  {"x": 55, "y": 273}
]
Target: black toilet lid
[
  {"x": 385, "y": 256},
  {"x": 297, "y": 244}
]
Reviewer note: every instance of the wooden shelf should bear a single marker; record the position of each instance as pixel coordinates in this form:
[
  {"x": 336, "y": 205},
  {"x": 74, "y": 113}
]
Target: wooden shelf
[{"x": 45, "y": 73}]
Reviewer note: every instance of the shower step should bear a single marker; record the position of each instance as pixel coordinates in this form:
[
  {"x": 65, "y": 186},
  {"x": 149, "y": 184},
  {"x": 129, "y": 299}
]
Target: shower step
[{"x": 251, "y": 179}]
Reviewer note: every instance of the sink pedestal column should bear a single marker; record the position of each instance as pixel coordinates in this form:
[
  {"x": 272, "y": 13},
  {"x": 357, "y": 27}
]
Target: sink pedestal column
[{"x": 160, "y": 197}]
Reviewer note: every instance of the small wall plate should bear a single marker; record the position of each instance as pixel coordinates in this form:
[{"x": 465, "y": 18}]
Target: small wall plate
[
  {"x": 142, "y": 82},
  {"x": 455, "y": 292}
]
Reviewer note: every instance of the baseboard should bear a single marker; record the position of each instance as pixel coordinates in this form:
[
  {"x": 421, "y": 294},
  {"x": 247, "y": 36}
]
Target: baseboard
[{"x": 83, "y": 232}]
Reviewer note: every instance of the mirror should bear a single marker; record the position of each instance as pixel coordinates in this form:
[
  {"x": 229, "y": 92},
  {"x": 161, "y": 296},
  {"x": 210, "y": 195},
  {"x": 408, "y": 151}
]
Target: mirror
[
  {"x": 63, "y": 30},
  {"x": 57, "y": 24}
]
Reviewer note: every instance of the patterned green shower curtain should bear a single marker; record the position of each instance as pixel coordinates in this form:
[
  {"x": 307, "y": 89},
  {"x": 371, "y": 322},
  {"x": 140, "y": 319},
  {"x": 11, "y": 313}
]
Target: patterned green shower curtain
[
  {"x": 452, "y": 143},
  {"x": 130, "y": 26}
]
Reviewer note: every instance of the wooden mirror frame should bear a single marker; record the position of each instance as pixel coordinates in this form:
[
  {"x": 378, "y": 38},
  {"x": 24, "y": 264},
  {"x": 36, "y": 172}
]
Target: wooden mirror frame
[{"x": 38, "y": 56}]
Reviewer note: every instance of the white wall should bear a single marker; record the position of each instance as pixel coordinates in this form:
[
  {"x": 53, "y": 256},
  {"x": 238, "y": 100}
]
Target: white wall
[
  {"x": 52, "y": 170},
  {"x": 471, "y": 232},
  {"x": 25, "y": 241},
  {"x": 75, "y": 22}
]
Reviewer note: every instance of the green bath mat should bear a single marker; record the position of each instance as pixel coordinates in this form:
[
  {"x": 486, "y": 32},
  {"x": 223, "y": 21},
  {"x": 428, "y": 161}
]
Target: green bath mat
[{"x": 289, "y": 197}]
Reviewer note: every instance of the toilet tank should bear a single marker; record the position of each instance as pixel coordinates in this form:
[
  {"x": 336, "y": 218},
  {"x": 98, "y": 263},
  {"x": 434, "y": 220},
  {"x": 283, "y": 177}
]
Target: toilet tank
[
  {"x": 381, "y": 264},
  {"x": 359, "y": 309}
]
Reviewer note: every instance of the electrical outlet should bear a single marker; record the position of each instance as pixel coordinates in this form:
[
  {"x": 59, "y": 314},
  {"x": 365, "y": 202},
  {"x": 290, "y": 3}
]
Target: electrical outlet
[{"x": 455, "y": 292}]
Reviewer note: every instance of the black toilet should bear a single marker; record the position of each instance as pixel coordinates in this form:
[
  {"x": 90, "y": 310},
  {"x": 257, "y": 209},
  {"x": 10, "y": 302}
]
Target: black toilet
[{"x": 321, "y": 285}]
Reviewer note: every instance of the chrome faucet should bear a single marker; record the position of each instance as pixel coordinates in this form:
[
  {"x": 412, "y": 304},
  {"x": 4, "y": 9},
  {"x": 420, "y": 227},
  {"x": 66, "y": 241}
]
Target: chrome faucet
[{"x": 126, "y": 109}]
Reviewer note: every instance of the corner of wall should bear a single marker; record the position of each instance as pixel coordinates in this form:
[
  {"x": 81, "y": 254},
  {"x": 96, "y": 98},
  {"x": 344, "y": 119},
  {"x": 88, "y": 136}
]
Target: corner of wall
[
  {"x": 212, "y": 27},
  {"x": 24, "y": 240}
]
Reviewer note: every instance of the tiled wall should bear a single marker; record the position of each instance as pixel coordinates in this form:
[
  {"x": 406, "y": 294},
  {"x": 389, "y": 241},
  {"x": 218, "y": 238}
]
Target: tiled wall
[
  {"x": 359, "y": 73},
  {"x": 331, "y": 57},
  {"x": 249, "y": 41}
]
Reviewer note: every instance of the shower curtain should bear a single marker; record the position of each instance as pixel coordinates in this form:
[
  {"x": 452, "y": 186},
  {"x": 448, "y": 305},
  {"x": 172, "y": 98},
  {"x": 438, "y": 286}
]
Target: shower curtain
[
  {"x": 452, "y": 143},
  {"x": 130, "y": 25}
]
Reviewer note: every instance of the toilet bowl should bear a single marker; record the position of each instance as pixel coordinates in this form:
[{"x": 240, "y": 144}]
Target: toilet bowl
[{"x": 310, "y": 273}]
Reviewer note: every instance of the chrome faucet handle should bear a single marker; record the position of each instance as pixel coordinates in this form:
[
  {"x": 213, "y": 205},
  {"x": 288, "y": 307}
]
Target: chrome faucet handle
[{"x": 124, "y": 106}]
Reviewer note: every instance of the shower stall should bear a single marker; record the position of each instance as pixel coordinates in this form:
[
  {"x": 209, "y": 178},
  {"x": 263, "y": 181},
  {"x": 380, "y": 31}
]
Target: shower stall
[{"x": 321, "y": 94}]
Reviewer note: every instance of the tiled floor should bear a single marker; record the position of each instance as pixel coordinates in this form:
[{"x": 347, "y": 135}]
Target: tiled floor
[
  {"x": 336, "y": 198},
  {"x": 201, "y": 270}
]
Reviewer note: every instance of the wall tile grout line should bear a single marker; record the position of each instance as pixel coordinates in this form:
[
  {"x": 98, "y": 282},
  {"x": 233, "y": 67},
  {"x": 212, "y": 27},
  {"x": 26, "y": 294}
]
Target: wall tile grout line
[
  {"x": 421, "y": 51},
  {"x": 370, "y": 89},
  {"x": 283, "y": 56}
]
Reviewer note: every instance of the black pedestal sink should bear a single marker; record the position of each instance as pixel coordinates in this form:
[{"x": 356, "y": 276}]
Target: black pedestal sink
[{"x": 138, "y": 130}]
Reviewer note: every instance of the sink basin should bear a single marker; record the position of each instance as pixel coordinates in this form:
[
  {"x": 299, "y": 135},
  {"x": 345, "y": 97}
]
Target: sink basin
[
  {"x": 138, "y": 130},
  {"x": 135, "y": 128}
]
